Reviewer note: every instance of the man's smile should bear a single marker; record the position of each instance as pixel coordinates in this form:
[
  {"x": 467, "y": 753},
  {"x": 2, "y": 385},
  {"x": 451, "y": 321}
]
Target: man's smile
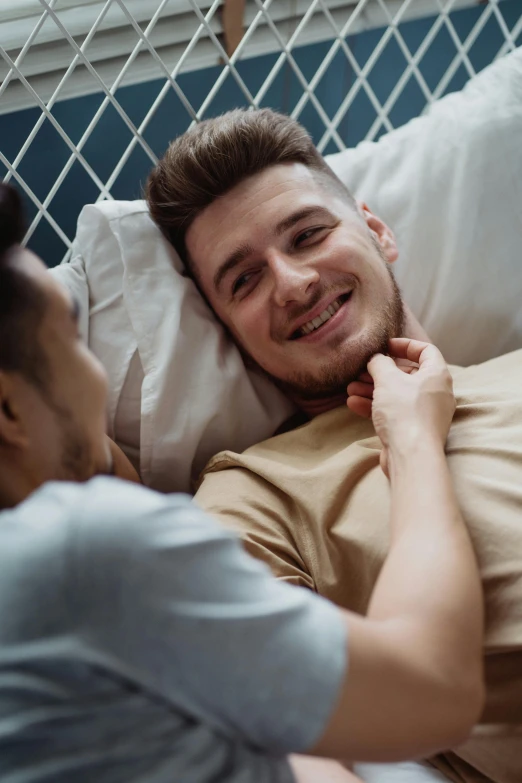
[{"x": 323, "y": 319}]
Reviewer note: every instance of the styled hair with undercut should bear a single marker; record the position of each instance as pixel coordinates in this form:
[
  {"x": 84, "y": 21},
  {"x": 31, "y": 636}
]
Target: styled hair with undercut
[
  {"x": 216, "y": 155},
  {"x": 22, "y": 304}
]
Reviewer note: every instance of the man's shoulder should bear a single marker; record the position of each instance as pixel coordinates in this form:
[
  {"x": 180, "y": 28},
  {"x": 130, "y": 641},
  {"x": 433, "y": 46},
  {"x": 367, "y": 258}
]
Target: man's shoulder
[
  {"x": 498, "y": 375},
  {"x": 263, "y": 487},
  {"x": 488, "y": 394},
  {"x": 296, "y": 446},
  {"x": 72, "y": 545},
  {"x": 35, "y": 565},
  {"x": 37, "y": 529},
  {"x": 114, "y": 519},
  {"x": 62, "y": 521}
]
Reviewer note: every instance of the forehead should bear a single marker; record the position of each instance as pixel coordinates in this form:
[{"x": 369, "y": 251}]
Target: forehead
[{"x": 253, "y": 207}]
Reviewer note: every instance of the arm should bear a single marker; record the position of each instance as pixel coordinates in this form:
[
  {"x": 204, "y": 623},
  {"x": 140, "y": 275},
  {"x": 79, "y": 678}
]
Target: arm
[
  {"x": 414, "y": 682},
  {"x": 265, "y": 663},
  {"x": 307, "y": 769}
]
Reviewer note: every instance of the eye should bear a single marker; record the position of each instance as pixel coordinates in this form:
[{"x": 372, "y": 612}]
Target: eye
[
  {"x": 241, "y": 281},
  {"x": 306, "y": 235}
]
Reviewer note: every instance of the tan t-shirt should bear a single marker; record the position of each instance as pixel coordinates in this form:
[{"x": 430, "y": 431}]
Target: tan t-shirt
[{"x": 314, "y": 504}]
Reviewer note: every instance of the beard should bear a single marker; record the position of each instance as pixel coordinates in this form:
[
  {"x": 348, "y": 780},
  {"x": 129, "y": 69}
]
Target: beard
[
  {"x": 347, "y": 363},
  {"x": 77, "y": 461}
]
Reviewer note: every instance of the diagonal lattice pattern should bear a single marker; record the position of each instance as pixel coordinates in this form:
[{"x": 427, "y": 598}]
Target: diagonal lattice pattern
[{"x": 328, "y": 63}]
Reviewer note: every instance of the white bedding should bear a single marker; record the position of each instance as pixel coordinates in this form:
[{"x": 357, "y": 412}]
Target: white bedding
[
  {"x": 406, "y": 772},
  {"x": 449, "y": 183}
]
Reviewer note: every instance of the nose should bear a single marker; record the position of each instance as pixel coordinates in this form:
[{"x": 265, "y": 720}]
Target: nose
[{"x": 292, "y": 278}]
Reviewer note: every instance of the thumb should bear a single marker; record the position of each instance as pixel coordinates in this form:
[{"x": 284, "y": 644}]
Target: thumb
[{"x": 380, "y": 367}]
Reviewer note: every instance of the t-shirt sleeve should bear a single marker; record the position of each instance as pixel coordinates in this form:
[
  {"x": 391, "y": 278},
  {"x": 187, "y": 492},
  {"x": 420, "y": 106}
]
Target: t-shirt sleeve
[
  {"x": 264, "y": 517},
  {"x": 172, "y": 597}
]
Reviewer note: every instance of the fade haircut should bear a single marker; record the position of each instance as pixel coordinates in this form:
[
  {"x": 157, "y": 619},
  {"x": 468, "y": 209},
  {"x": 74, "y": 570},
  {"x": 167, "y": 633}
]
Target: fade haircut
[
  {"x": 216, "y": 155},
  {"x": 22, "y": 304}
]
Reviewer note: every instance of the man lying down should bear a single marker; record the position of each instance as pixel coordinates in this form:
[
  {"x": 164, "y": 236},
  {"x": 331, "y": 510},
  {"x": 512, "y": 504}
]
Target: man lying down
[
  {"x": 139, "y": 642},
  {"x": 301, "y": 277}
]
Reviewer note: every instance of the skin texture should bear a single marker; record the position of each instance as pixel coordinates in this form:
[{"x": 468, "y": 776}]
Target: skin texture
[
  {"x": 59, "y": 432},
  {"x": 290, "y": 274},
  {"x": 415, "y": 678}
]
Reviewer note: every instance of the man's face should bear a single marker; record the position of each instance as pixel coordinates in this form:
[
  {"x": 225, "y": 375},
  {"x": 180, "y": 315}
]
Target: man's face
[
  {"x": 299, "y": 277},
  {"x": 66, "y": 420}
]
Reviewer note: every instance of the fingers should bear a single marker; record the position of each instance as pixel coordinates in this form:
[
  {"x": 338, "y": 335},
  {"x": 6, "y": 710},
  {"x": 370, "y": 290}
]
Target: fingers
[
  {"x": 362, "y": 406},
  {"x": 410, "y": 368},
  {"x": 423, "y": 354},
  {"x": 364, "y": 386},
  {"x": 384, "y": 462},
  {"x": 360, "y": 389},
  {"x": 380, "y": 367}
]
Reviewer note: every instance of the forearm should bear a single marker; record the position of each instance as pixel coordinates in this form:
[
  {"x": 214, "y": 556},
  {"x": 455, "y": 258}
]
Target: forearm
[
  {"x": 414, "y": 683},
  {"x": 430, "y": 547},
  {"x": 428, "y": 602},
  {"x": 414, "y": 678}
]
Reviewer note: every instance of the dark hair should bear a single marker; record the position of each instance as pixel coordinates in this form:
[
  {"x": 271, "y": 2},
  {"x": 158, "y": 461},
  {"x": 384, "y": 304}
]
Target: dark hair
[
  {"x": 211, "y": 158},
  {"x": 22, "y": 304}
]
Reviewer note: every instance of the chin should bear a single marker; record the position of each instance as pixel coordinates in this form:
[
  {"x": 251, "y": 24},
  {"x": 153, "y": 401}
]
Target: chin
[
  {"x": 345, "y": 365},
  {"x": 356, "y": 358}
]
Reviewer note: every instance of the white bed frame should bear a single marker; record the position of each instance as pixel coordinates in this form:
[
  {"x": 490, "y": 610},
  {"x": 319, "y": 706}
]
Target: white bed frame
[{"x": 128, "y": 41}]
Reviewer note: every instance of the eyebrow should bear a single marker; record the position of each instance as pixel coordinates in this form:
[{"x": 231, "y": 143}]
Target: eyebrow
[
  {"x": 244, "y": 250},
  {"x": 301, "y": 214},
  {"x": 233, "y": 260}
]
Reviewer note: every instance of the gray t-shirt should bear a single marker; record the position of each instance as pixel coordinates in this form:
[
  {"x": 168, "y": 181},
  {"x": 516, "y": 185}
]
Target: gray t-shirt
[{"x": 138, "y": 642}]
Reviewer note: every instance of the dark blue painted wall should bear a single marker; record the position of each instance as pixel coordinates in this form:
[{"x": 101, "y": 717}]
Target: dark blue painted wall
[{"x": 48, "y": 153}]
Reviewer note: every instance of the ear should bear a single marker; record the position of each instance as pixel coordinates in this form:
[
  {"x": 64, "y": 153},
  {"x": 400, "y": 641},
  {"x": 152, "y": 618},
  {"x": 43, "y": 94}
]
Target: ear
[
  {"x": 381, "y": 232},
  {"x": 13, "y": 431}
]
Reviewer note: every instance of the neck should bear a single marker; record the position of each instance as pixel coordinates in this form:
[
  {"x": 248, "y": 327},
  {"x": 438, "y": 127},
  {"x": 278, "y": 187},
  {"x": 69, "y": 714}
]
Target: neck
[
  {"x": 16, "y": 484},
  {"x": 312, "y": 408}
]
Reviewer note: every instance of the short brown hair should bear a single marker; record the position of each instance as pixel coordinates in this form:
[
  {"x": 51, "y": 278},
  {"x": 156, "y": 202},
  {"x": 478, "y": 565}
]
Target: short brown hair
[
  {"x": 216, "y": 155},
  {"x": 22, "y": 304}
]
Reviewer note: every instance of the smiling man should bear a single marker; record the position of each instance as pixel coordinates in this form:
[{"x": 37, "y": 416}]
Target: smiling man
[
  {"x": 296, "y": 270},
  {"x": 301, "y": 276},
  {"x": 289, "y": 283}
]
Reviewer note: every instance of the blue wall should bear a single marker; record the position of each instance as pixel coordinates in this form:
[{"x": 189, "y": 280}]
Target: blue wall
[{"x": 48, "y": 153}]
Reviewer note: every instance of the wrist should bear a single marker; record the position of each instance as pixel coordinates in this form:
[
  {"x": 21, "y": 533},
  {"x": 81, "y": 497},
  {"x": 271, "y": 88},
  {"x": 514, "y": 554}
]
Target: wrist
[
  {"x": 414, "y": 452},
  {"x": 413, "y": 437}
]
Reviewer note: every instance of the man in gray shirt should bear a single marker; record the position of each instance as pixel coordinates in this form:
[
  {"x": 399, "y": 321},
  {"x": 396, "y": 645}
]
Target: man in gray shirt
[{"x": 138, "y": 642}]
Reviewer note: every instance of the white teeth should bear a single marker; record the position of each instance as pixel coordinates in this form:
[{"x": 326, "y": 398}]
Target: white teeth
[{"x": 320, "y": 319}]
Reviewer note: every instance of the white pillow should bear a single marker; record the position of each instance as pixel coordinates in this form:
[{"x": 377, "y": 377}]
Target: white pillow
[
  {"x": 189, "y": 395},
  {"x": 450, "y": 185}
]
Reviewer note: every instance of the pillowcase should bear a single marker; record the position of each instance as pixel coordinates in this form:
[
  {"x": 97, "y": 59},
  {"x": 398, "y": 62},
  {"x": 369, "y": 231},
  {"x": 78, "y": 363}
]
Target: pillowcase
[
  {"x": 450, "y": 185},
  {"x": 179, "y": 391}
]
